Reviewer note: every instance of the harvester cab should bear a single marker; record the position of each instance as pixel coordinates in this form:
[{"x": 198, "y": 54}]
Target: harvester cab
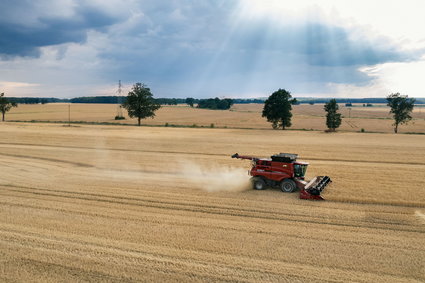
[{"x": 284, "y": 171}]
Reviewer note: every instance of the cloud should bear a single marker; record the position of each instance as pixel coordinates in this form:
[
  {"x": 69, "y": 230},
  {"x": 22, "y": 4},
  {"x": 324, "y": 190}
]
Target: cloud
[
  {"x": 246, "y": 56},
  {"x": 191, "y": 48},
  {"x": 25, "y": 26}
]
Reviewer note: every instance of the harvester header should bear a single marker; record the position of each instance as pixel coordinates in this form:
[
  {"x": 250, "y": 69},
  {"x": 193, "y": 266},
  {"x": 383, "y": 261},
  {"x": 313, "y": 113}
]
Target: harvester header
[{"x": 284, "y": 171}]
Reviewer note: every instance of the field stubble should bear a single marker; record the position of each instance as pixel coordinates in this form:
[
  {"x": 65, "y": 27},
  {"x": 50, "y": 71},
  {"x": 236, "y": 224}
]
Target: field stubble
[
  {"x": 307, "y": 117},
  {"x": 108, "y": 203}
]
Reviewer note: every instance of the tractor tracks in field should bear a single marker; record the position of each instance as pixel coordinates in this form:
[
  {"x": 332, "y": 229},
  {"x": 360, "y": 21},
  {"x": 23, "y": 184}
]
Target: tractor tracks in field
[
  {"x": 190, "y": 153},
  {"x": 139, "y": 259},
  {"x": 171, "y": 219},
  {"x": 350, "y": 123},
  {"x": 201, "y": 264},
  {"x": 54, "y": 160},
  {"x": 208, "y": 209}
]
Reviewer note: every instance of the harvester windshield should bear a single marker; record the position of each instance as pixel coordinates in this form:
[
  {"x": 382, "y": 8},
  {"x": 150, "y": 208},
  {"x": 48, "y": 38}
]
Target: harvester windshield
[{"x": 300, "y": 169}]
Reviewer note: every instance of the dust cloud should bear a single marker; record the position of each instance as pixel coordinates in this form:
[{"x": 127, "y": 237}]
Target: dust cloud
[
  {"x": 215, "y": 178},
  {"x": 210, "y": 178}
]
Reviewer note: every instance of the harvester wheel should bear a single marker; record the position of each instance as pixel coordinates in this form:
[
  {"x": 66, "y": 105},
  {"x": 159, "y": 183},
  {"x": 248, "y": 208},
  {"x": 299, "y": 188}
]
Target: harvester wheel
[
  {"x": 288, "y": 186},
  {"x": 258, "y": 183}
]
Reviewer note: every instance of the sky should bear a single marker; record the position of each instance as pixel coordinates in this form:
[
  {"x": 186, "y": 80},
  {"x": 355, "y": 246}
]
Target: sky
[{"x": 212, "y": 48}]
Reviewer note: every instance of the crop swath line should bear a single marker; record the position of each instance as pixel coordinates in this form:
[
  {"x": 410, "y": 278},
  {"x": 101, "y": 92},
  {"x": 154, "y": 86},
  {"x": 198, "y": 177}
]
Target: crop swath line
[
  {"x": 190, "y": 224},
  {"x": 200, "y": 263},
  {"x": 195, "y": 264},
  {"x": 79, "y": 164},
  {"x": 176, "y": 197},
  {"x": 75, "y": 272},
  {"x": 237, "y": 212},
  {"x": 61, "y": 193},
  {"x": 351, "y": 123},
  {"x": 214, "y": 154}
]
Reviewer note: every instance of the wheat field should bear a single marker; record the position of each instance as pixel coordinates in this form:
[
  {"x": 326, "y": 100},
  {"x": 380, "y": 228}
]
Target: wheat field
[
  {"x": 306, "y": 117},
  {"x": 117, "y": 203}
]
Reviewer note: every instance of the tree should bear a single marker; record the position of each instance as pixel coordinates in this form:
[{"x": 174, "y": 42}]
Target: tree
[
  {"x": 333, "y": 118},
  {"x": 401, "y": 107},
  {"x": 140, "y": 103},
  {"x": 190, "y": 101},
  {"x": 277, "y": 109},
  {"x": 5, "y": 105}
]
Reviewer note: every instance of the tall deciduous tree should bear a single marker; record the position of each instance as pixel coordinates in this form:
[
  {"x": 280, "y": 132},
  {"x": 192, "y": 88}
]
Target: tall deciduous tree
[
  {"x": 5, "y": 105},
  {"x": 333, "y": 118},
  {"x": 401, "y": 108},
  {"x": 277, "y": 109},
  {"x": 140, "y": 103}
]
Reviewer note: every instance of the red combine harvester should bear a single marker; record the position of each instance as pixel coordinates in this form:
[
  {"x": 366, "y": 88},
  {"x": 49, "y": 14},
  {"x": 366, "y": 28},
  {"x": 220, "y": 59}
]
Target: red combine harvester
[{"x": 284, "y": 171}]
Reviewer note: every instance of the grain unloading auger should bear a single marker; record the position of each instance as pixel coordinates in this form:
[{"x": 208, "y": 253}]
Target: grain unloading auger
[{"x": 284, "y": 171}]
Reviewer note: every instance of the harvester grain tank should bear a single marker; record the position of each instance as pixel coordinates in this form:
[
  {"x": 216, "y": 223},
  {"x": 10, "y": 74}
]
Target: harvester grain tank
[{"x": 284, "y": 171}]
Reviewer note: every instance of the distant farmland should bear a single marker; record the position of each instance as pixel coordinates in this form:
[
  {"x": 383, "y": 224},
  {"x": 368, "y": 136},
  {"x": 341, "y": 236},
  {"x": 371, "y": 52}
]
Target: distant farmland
[{"x": 306, "y": 117}]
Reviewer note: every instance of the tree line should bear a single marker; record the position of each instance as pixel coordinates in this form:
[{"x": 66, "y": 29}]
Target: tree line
[
  {"x": 34, "y": 100},
  {"x": 211, "y": 103},
  {"x": 277, "y": 109},
  {"x": 175, "y": 101},
  {"x": 215, "y": 103},
  {"x": 117, "y": 99}
]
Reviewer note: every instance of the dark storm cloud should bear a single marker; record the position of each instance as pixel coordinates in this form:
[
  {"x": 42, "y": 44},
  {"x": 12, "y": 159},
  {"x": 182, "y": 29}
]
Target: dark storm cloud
[
  {"x": 207, "y": 43},
  {"x": 190, "y": 47},
  {"x": 24, "y": 26},
  {"x": 189, "y": 28}
]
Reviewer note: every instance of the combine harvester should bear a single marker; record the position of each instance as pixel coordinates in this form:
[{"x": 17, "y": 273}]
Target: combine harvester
[{"x": 284, "y": 171}]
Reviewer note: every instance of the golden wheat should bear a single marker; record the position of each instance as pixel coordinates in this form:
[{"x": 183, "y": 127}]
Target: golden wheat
[
  {"x": 308, "y": 117},
  {"x": 116, "y": 203}
]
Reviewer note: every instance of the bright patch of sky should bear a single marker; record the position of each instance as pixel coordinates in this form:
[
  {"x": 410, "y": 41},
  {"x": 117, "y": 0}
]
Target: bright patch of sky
[{"x": 188, "y": 48}]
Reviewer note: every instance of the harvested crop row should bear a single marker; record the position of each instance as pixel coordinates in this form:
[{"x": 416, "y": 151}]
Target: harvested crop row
[{"x": 135, "y": 215}]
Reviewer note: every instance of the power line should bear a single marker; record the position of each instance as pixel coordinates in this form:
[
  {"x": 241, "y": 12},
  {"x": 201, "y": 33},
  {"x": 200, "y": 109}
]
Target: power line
[{"x": 119, "y": 100}]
